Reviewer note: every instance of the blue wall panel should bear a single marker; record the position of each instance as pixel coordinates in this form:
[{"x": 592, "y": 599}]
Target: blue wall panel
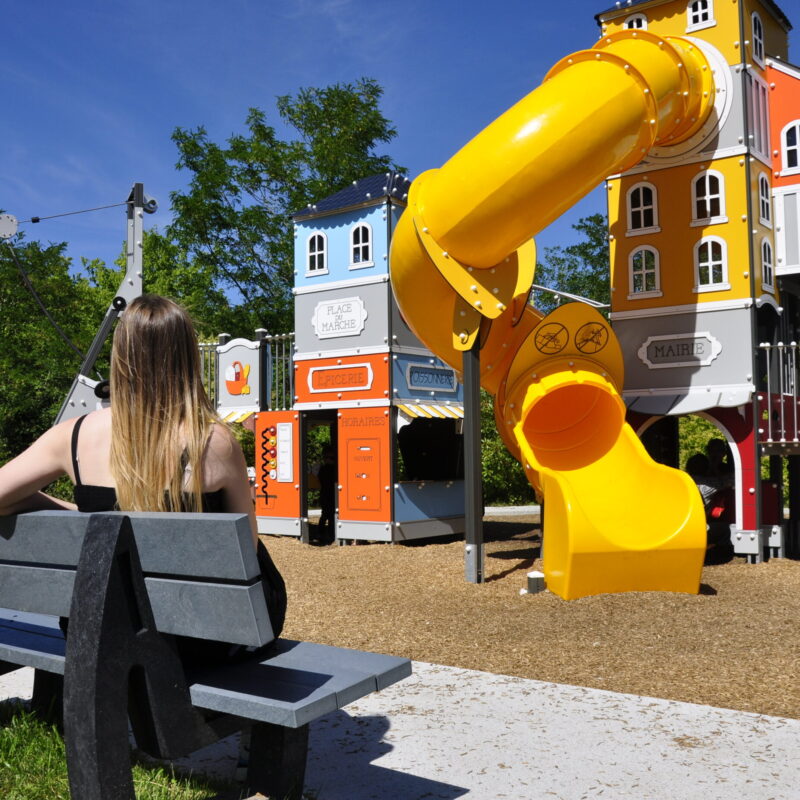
[
  {"x": 337, "y": 229},
  {"x": 423, "y": 378},
  {"x": 418, "y": 500}
]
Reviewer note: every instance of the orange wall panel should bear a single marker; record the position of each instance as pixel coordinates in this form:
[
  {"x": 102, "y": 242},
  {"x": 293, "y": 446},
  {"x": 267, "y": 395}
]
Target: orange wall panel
[
  {"x": 365, "y": 453},
  {"x": 784, "y": 107},
  {"x": 333, "y": 380},
  {"x": 277, "y": 465}
]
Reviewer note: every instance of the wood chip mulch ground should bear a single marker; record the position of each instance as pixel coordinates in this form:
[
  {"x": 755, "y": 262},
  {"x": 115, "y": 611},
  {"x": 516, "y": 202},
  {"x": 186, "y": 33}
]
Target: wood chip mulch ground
[{"x": 735, "y": 645}]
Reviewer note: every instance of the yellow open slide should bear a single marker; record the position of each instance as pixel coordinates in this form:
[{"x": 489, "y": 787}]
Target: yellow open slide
[{"x": 462, "y": 266}]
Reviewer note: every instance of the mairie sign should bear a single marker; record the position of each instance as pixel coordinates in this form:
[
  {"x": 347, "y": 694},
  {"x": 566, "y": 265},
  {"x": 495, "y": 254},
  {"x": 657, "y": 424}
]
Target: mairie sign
[{"x": 680, "y": 350}]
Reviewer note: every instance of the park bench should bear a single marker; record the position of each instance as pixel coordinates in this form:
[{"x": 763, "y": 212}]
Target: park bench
[{"x": 129, "y": 582}]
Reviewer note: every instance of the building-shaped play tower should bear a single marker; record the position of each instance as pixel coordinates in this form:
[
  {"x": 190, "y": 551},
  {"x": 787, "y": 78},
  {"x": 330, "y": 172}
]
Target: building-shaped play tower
[
  {"x": 394, "y": 410},
  {"x": 704, "y": 254}
]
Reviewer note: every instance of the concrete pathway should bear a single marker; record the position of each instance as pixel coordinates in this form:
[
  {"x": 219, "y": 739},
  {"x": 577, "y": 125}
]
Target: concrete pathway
[{"x": 450, "y": 733}]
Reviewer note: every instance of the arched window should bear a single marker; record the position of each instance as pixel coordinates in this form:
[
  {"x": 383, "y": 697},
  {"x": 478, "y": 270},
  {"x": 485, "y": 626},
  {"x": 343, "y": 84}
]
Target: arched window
[
  {"x": 764, "y": 201},
  {"x": 361, "y": 246},
  {"x": 790, "y": 139},
  {"x": 642, "y": 209},
  {"x": 711, "y": 265},
  {"x": 644, "y": 273},
  {"x": 700, "y": 14},
  {"x": 758, "y": 39},
  {"x": 708, "y": 198},
  {"x": 636, "y": 22},
  {"x": 317, "y": 256},
  {"x": 767, "y": 272}
]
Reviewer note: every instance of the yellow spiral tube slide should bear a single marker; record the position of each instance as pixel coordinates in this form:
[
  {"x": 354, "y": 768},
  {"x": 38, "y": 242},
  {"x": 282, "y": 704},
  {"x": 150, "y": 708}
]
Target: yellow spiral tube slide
[{"x": 462, "y": 264}]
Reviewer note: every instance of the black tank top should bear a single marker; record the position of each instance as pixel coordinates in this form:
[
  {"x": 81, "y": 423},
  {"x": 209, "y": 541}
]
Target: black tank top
[{"x": 91, "y": 498}]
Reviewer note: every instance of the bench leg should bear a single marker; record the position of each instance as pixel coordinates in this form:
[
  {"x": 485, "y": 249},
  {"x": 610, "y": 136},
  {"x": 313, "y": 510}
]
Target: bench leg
[
  {"x": 48, "y": 697},
  {"x": 277, "y": 766}
]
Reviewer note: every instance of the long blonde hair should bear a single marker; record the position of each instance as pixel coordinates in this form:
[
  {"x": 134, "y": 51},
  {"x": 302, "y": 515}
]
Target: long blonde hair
[{"x": 161, "y": 416}]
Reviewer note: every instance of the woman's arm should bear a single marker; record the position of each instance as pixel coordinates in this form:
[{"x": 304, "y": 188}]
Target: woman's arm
[
  {"x": 225, "y": 468},
  {"x": 22, "y": 478}
]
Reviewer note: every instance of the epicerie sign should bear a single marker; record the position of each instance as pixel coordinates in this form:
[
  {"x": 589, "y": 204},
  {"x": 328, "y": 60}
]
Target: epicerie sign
[
  {"x": 342, "y": 317},
  {"x": 348, "y": 378},
  {"x": 680, "y": 350}
]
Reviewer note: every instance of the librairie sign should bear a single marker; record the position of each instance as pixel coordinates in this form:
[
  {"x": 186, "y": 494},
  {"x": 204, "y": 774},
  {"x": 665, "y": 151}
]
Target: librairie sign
[
  {"x": 342, "y": 317},
  {"x": 680, "y": 350}
]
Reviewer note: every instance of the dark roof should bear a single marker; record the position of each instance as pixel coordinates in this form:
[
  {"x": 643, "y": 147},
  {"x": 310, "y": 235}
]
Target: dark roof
[
  {"x": 624, "y": 5},
  {"x": 363, "y": 192}
]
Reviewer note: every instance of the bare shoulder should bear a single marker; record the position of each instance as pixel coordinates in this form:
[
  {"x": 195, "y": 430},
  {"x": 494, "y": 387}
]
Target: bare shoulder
[
  {"x": 224, "y": 459},
  {"x": 55, "y": 441},
  {"x": 222, "y": 443}
]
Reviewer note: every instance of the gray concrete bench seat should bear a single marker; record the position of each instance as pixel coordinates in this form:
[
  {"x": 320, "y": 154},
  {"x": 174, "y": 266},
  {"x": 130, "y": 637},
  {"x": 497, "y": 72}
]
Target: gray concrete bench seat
[{"x": 128, "y": 582}]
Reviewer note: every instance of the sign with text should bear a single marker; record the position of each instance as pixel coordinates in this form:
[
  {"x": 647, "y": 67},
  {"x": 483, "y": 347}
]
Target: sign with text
[
  {"x": 364, "y": 442},
  {"x": 342, "y": 317},
  {"x": 344, "y": 378},
  {"x": 680, "y": 350},
  {"x": 425, "y": 377}
]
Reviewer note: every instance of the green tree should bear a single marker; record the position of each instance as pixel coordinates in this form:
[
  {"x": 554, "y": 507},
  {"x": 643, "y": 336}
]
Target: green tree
[
  {"x": 504, "y": 481},
  {"x": 581, "y": 269},
  {"x": 232, "y": 227},
  {"x": 37, "y": 365},
  {"x": 169, "y": 271}
]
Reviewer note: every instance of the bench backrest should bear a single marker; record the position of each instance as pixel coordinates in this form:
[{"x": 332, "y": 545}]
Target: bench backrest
[{"x": 201, "y": 570}]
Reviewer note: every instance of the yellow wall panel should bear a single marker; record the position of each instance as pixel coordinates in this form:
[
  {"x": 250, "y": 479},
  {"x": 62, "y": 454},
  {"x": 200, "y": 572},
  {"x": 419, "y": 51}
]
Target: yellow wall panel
[
  {"x": 670, "y": 19},
  {"x": 676, "y": 240}
]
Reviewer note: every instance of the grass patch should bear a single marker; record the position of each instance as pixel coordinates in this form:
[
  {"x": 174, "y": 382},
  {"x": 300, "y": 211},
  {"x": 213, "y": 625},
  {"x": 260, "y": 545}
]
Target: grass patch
[{"x": 33, "y": 766}]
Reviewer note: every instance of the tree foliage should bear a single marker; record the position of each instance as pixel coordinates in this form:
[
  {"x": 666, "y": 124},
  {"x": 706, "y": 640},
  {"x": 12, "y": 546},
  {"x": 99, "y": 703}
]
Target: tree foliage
[
  {"x": 233, "y": 223},
  {"x": 504, "y": 481},
  {"x": 581, "y": 269},
  {"x": 37, "y": 365}
]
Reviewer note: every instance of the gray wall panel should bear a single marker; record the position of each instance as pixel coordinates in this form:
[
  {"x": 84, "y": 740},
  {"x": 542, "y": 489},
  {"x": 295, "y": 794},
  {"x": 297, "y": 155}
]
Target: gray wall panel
[
  {"x": 371, "y": 331},
  {"x": 733, "y": 365}
]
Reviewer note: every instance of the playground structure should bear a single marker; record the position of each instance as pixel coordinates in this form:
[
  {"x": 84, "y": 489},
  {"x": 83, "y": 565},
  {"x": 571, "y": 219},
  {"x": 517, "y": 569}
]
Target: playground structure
[
  {"x": 686, "y": 107},
  {"x": 703, "y": 245},
  {"x": 614, "y": 519},
  {"x": 393, "y": 409},
  {"x": 672, "y": 101}
]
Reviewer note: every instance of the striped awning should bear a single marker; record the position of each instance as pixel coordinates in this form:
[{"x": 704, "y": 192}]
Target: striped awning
[
  {"x": 432, "y": 410},
  {"x": 238, "y": 416}
]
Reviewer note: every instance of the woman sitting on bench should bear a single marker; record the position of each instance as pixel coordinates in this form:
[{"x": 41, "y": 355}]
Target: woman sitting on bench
[{"x": 160, "y": 447}]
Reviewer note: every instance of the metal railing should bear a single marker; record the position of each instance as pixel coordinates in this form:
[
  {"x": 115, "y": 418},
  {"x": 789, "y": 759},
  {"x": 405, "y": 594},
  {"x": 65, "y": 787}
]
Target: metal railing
[
  {"x": 278, "y": 370},
  {"x": 778, "y": 392},
  {"x": 208, "y": 365}
]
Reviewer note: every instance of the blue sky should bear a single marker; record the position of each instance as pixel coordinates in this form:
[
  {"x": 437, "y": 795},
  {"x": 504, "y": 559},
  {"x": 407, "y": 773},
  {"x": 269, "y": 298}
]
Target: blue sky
[{"x": 92, "y": 89}]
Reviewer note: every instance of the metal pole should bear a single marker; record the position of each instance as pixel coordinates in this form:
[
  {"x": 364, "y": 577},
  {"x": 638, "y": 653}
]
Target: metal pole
[
  {"x": 473, "y": 517},
  {"x": 86, "y": 393}
]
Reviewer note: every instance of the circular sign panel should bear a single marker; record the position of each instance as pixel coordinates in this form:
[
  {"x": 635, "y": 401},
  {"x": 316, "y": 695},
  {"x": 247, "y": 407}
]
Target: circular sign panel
[
  {"x": 551, "y": 338},
  {"x": 8, "y": 226},
  {"x": 591, "y": 337}
]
